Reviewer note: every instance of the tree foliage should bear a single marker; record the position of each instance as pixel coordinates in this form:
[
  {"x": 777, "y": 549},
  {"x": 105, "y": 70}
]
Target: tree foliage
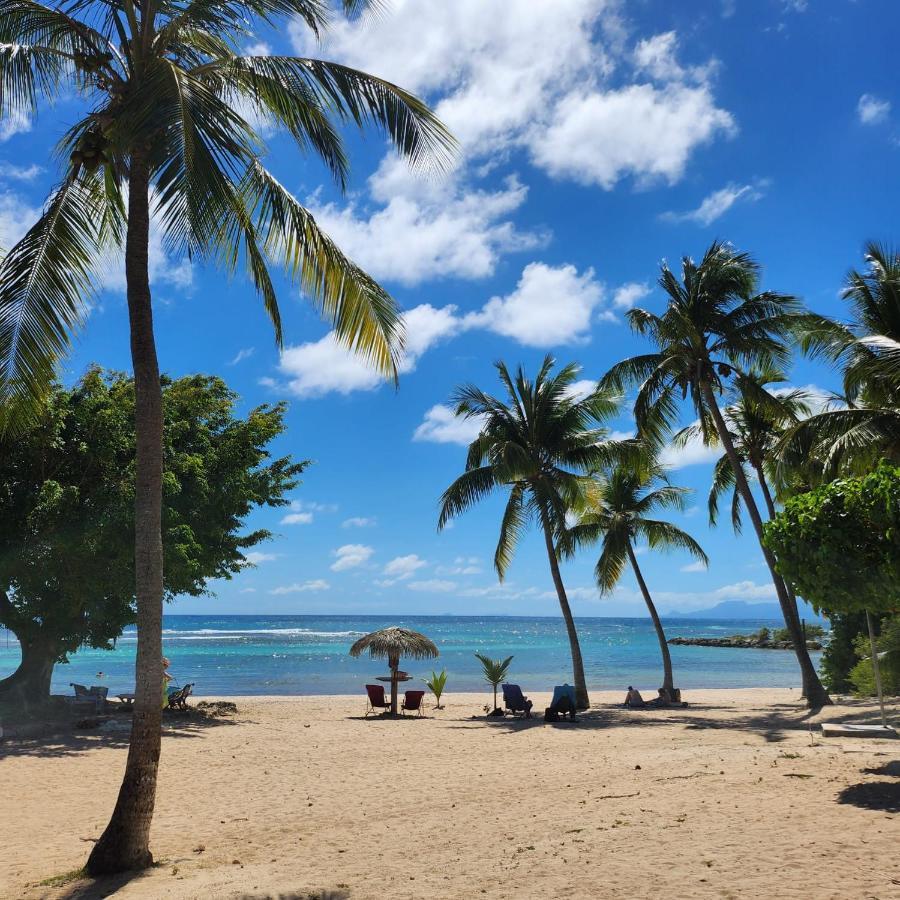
[
  {"x": 839, "y": 545},
  {"x": 67, "y": 504}
]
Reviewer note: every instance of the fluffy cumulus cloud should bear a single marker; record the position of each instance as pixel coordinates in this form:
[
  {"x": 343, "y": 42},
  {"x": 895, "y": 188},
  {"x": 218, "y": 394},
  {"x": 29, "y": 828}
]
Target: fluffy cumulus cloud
[
  {"x": 692, "y": 453},
  {"x": 872, "y": 110},
  {"x": 302, "y": 587},
  {"x": 350, "y": 556},
  {"x": 255, "y": 557},
  {"x": 716, "y": 204},
  {"x": 403, "y": 567},
  {"x": 442, "y": 426},
  {"x": 359, "y": 522},
  {"x": 16, "y": 214},
  {"x": 418, "y": 228},
  {"x": 550, "y": 305},
  {"x": 569, "y": 84},
  {"x": 630, "y": 294},
  {"x": 297, "y": 518}
]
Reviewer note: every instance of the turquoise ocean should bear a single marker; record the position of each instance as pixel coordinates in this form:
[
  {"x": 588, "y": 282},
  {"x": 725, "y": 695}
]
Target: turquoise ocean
[{"x": 234, "y": 655}]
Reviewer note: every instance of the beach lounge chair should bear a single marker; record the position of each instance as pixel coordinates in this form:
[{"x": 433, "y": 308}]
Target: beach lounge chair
[
  {"x": 412, "y": 702},
  {"x": 563, "y": 702},
  {"x": 178, "y": 697},
  {"x": 376, "y": 699},
  {"x": 94, "y": 694},
  {"x": 515, "y": 701}
]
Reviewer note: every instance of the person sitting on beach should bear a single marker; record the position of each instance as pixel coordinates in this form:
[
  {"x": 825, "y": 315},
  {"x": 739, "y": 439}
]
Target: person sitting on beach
[{"x": 633, "y": 698}]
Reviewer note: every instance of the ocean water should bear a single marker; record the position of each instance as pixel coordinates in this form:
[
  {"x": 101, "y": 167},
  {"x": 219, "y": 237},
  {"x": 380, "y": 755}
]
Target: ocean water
[{"x": 234, "y": 655}]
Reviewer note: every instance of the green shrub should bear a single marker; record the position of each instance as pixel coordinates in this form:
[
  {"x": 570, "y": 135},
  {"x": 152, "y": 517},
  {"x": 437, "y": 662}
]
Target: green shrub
[
  {"x": 862, "y": 677},
  {"x": 436, "y": 686}
]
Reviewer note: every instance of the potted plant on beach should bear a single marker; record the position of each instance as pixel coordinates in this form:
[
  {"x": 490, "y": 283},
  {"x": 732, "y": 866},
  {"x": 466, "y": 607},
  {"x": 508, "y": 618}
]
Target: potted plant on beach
[{"x": 494, "y": 671}]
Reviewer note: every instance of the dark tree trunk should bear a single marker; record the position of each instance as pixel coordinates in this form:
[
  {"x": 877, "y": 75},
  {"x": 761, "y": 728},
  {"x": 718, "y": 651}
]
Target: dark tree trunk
[
  {"x": 668, "y": 679},
  {"x": 815, "y": 693},
  {"x": 29, "y": 685},
  {"x": 125, "y": 844},
  {"x": 581, "y": 695}
]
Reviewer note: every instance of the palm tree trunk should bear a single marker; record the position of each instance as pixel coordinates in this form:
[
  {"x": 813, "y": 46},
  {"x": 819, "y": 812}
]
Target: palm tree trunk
[
  {"x": 770, "y": 506},
  {"x": 815, "y": 693},
  {"x": 668, "y": 679},
  {"x": 582, "y": 700},
  {"x": 125, "y": 844}
]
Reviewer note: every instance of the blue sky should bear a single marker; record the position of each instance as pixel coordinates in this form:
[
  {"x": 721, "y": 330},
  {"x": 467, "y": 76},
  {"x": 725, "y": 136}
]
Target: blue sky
[{"x": 597, "y": 138}]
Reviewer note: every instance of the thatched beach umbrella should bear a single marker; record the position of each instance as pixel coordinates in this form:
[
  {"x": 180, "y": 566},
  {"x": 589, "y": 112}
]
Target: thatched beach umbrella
[{"x": 392, "y": 643}]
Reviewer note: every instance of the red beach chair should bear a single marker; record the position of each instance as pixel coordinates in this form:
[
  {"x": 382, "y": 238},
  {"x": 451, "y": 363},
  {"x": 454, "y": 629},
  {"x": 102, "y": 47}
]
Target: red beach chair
[
  {"x": 376, "y": 699},
  {"x": 412, "y": 701}
]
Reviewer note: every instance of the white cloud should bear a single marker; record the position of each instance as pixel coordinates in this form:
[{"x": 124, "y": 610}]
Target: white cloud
[
  {"x": 299, "y": 518},
  {"x": 564, "y": 82},
  {"x": 302, "y": 587},
  {"x": 716, "y": 204},
  {"x": 359, "y": 522},
  {"x": 629, "y": 294},
  {"x": 697, "y": 566},
  {"x": 693, "y": 453},
  {"x": 260, "y": 48},
  {"x": 403, "y": 567},
  {"x": 462, "y": 565},
  {"x": 20, "y": 173},
  {"x": 349, "y": 556},
  {"x": 872, "y": 110},
  {"x": 442, "y": 426},
  {"x": 644, "y": 131},
  {"x": 13, "y": 124},
  {"x": 578, "y": 390},
  {"x": 433, "y": 586},
  {"x": 421, "y": 230},
  {"x": 255, "y": 557},
  {"x": 318, "y": 367},
  {"x": 549, "y": 306},
  {"x": 248, "y": 590},
  {"x": 242, "y": 354},
  {"x": 16, "y": 216}
]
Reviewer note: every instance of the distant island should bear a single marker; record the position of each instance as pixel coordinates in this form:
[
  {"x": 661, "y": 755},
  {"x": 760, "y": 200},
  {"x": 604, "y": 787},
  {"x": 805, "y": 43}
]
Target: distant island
[
  {"x": 740, "y": 609},
  {"x": 764, "y": 639}
]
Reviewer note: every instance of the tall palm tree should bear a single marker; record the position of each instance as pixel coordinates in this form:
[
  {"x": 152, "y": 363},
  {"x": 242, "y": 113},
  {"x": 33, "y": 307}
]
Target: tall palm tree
[
  {"x": 538, "y": 444},
  {"x": 169, "y": 136},
  {"x": 715, "y": 327},
  {"x": 852, "y": 436},
  {"x": 616, "y": 513}
]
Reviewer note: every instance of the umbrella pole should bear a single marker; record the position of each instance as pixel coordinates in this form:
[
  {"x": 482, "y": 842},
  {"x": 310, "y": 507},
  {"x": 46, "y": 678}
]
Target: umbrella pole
[{"x": 395, "y": 663}]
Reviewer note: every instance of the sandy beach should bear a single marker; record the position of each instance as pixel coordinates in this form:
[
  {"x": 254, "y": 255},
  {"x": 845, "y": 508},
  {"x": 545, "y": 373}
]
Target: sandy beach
[{"x": 736, "y": 796}]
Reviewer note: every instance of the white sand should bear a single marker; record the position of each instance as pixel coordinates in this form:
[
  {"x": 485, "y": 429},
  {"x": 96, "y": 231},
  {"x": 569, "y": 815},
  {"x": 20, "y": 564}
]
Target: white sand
[{"x": 301, "y": 796}]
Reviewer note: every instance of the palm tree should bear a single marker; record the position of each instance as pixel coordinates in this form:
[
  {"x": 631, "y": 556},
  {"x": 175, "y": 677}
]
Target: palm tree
[
  {"x": 616, "y": 514},
  {"x": 854, "y": 435},
  {"x": 715, "y": 327},
  {"x": 494, "y": 672},
  {"x": 538, "y": 444},
  {"x": 168, "y": 137}
]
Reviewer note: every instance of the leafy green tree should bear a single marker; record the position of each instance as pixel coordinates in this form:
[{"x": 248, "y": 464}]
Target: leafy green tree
[
  {"x": 716, "y": 327},
  {"x": 538, "y": 444},
  {"x": 854, "y": 435},
  {"x": 494, "y": 672},
  {"x": 169, "y": 132},
  {"x": 617, "y": 514},
  {"x": 839, "y": 655},
  {"x": 887, "y": 644},
  {"x": 67, "y": 495}
]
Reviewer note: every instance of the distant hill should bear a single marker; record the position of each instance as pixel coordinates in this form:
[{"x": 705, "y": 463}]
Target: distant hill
[{"x": 741, "y": 609}]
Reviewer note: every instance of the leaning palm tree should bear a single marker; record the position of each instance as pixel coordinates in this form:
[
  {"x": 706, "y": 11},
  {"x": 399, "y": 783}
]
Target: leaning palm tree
[
  {"x": 854, "y": 435},
  {"x": 715, "y": 327},
  {"x": 617, "y": 514},
  {"x": 169, "y": 138},
  {"x": 537, "y": 444}
]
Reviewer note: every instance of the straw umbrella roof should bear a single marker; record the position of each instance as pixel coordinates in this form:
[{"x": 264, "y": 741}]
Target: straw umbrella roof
[{"x": 394, "y": 642}]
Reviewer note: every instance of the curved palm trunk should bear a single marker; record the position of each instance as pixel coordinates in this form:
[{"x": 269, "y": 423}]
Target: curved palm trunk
[
  {"x": 770, "y": 506},
  {"x": 668, "y": 685},
  {"x": 815, "y": 693},
  {"x": 581, "y": 695},
  {"x": 125, "y": 844}
]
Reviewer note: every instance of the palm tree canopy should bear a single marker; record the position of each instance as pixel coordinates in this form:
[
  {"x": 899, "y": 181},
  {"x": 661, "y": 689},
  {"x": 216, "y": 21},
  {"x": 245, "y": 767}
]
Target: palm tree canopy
[
  {"x": 394, "y": 642},
  {"x": 617, "y": 514},
  {"x": 716, "y": 325},
  {"x": 538, "y": 443},
  {"x": 167, "y": 86},
  {"x": 866, "y": 426}
]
